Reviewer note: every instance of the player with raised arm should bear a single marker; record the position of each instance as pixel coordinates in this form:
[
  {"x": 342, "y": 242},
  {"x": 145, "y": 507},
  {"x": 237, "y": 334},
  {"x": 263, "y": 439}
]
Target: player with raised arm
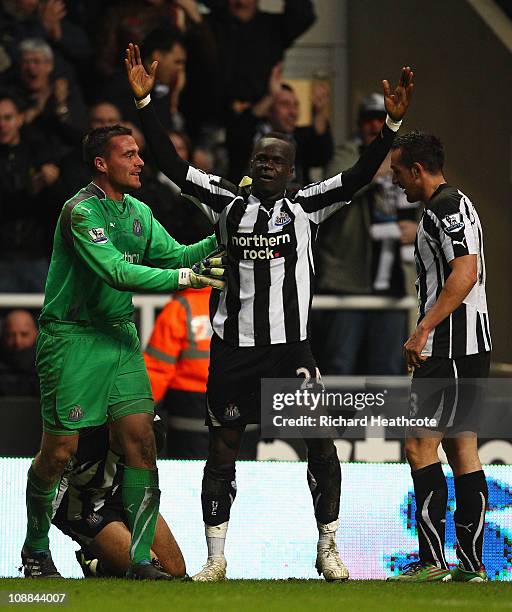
[
  {"x": 261, "y": 321},
  {"x": 88, "y": 354}
]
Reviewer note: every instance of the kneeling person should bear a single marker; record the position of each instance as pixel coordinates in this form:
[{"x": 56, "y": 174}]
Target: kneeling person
[{"x": 89, "y": 509}]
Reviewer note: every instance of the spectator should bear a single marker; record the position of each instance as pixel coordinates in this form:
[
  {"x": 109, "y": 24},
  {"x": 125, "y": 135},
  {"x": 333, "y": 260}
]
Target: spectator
[
  {"x": 187, "y": 228},
  {"x": 177, "y": 359},
  {"x": 167, "y": 47},
  {"x": 18, "y": 375},
  {"x": 182, "y": 144},
  {"x": 22, "y": 19},
  {"x": 201, "y": 97},
  {"x": 55, "y": 107},
  {"x": 359, "y": 253},
  {"x": 103, "y": 114},
  {"x": 281, "y": 108},
  {"x": 130, "y": 21},
  {"x": 27, "y": 209},
  {"x": 250, "y": 42},
  {"x": 203, "y": 158}
]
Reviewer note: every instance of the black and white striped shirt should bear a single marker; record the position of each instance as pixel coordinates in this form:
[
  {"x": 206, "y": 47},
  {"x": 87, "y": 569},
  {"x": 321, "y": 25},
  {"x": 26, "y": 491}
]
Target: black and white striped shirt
[
  {"x": 271, "y": 275},
  {"x": 450, "y": 228},
  {"x": 269, "y": 244},
  {"x": 91, "y": 479}
]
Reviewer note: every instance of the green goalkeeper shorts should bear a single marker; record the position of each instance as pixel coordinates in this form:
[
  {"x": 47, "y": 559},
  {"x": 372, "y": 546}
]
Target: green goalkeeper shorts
[{"x": 88, "y": 374}]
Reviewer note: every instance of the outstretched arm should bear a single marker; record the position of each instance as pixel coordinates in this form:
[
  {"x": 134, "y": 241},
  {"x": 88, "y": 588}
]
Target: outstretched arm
[
  {"x": 323, "y": 199},
  {"x": 165, "y": 252},
  {"x": 397, "y": 103},
  {"x": 210, "y": 193},
  {"x": 298, "y": 16},
  {"x": 83, "y": 231},
  {"x": 141, "y": 82}
]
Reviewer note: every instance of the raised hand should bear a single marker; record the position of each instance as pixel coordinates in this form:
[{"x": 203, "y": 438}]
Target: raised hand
[
  {"x": 61, "y": 91},
  {"x": 320, "y": 97},
  {"x": 140, "y": 81},
  {"x": 274, "y": 82},
  {"x": 397, "y": 102},
  {"x": 51, "y": 14},
  {"x": 191, "y": 9}
]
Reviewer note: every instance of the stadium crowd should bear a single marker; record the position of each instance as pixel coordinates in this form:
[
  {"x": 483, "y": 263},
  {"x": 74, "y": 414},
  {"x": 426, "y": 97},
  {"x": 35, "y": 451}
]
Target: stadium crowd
[{"x": 61, "y": 74}]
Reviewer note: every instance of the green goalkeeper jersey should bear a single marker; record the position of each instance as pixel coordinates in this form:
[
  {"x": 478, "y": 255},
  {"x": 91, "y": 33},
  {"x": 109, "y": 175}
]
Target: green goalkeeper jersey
[{"x": 102, "y": 251}]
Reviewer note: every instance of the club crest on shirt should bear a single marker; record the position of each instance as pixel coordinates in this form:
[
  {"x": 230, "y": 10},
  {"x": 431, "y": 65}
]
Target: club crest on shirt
[
  {"x": 97, "y": 235},
  {"x": 137, "y": 228},
  {"x": 452, "y": 223},
  {"x": 283, "y": 218}
]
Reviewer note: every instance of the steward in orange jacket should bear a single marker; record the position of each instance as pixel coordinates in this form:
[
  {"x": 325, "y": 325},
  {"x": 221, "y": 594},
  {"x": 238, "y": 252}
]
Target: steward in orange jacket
[{"x": 177, "y": 359}]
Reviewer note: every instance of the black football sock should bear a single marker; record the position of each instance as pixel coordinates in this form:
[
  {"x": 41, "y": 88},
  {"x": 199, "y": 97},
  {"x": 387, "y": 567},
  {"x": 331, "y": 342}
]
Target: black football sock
[
  {"x": 471, "y": 497},
  {"x": 324, "y": 479},
  {"x": 218, "y": 492},
  {"x": 431, "y": 492}
]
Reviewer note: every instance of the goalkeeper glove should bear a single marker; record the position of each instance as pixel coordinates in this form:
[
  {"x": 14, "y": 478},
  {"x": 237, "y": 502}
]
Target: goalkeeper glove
[
  {"x": 214, "y": 264},
  {"x": 189, "y": 279},
  {"x": 209, "y": 272},
  {"x": 213, "y": 267}
]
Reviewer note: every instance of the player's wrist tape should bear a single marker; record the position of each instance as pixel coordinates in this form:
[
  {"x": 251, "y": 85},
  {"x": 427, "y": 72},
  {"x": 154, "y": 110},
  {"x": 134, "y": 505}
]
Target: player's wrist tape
[
  {"x": 391, "y": 123},
  {"x": 184, "y": 277},
  {"x": 143, "y": 102}
]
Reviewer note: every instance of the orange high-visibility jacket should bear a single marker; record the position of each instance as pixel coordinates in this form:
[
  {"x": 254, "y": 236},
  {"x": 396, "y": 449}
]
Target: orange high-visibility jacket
[{"x": 178, "y": 353}]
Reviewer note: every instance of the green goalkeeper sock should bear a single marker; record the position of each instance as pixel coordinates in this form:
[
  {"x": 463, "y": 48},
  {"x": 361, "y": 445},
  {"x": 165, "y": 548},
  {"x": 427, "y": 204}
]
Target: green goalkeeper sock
[
  {"x": 141, "y": 500},
  {"x": 40, "y": 496}
]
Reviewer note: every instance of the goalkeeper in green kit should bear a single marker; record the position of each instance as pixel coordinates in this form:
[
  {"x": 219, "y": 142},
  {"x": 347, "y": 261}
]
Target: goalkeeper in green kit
[{"x": 106, "y": 245}]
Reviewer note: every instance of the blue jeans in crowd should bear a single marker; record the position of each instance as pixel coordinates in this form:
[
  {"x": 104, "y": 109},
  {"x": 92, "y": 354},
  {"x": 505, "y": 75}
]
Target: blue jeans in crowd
[
  {"x": 348, "y": 342},
  {"x": 23, "y": 276}
]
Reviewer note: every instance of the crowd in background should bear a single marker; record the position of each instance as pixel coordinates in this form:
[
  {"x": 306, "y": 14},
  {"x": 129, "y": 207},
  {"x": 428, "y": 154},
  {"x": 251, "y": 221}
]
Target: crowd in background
[
  {"x": 219, "y": 87},
  {"x": 62, "y": 73}
]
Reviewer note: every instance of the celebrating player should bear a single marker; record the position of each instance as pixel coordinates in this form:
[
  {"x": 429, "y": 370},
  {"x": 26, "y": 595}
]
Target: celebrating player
[
  {"x": 260, "y": 322},
  {"x": 451, "y": 341},
  {"x": 88, "y": 353}
]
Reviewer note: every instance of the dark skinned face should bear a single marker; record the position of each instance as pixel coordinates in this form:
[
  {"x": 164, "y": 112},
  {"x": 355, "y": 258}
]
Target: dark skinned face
[{"x": 271, "y": 168}]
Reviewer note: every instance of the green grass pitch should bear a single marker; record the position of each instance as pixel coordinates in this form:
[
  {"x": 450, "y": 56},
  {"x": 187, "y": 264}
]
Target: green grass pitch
[{"x": 262, "y": 595}]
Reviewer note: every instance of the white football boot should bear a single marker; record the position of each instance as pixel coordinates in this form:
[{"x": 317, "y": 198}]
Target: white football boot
[
  {"x": 328, "y": 561},
  {"x": 214, "y": 570}
]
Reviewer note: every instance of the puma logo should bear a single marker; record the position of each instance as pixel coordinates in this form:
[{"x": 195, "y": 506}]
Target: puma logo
[{"x": 467, "y": 527}]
